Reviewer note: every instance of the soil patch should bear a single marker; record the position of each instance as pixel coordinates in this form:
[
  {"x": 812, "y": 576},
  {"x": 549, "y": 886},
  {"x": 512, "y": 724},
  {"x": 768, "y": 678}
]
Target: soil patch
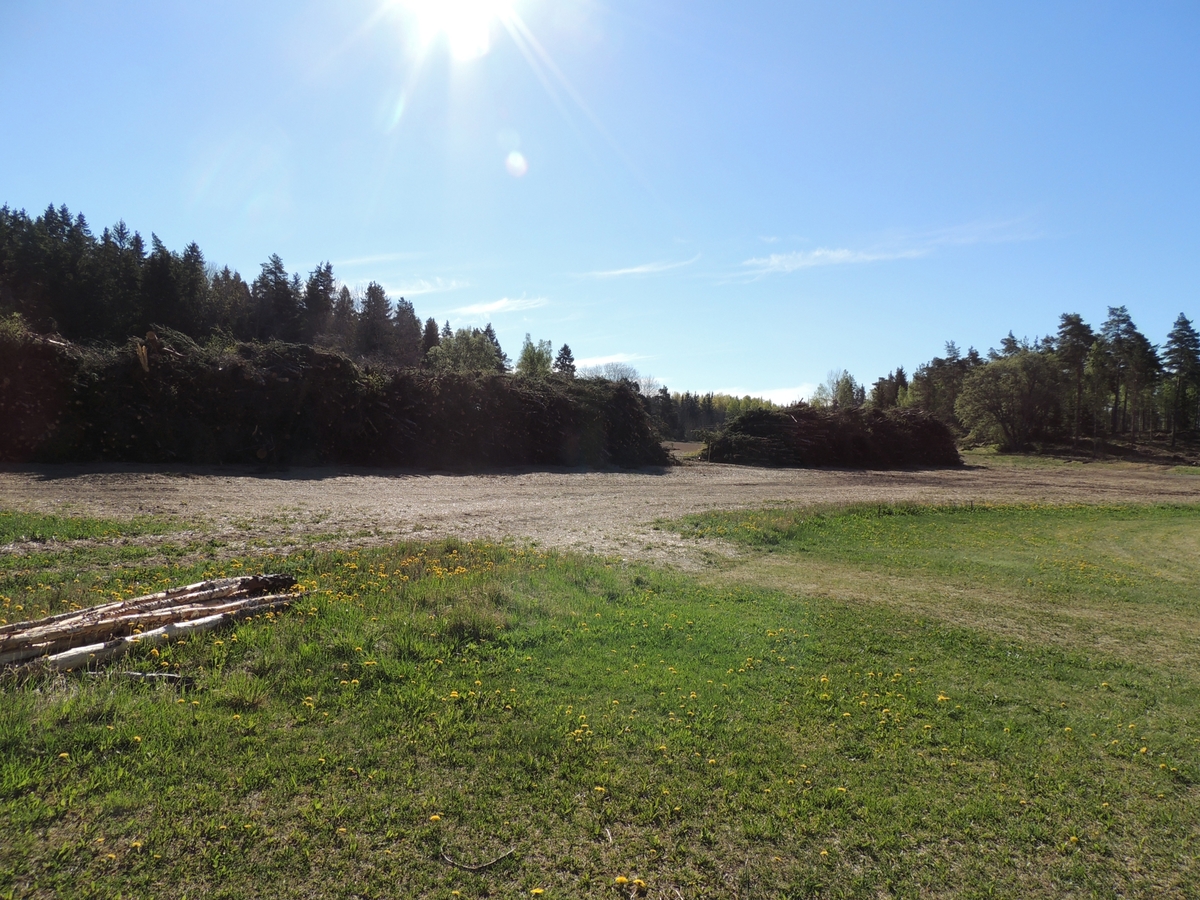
[{"x": 611, "y": 513}]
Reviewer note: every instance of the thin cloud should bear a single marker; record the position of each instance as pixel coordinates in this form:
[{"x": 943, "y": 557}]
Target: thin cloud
[
  {"x": 824, "y": 256},
  {"x": 900, "y": 246},
  {"x": 380, "y": 258},
  {"x": 429, "y": 286},
  {"x": 645, "y": 269},
  {"x": 503, "y": 305}
]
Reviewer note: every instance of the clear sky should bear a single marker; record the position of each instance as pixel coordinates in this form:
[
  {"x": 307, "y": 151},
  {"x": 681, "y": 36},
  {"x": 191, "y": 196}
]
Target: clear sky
[{"x": 729, "y": 196}]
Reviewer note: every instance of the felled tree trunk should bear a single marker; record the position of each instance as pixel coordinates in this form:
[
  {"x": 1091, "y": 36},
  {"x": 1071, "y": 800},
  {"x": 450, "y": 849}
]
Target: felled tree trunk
[{"x": 91, "y": 636}]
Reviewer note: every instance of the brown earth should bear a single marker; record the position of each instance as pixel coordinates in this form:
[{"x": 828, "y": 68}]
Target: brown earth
[{"x": 612, "y": 513}]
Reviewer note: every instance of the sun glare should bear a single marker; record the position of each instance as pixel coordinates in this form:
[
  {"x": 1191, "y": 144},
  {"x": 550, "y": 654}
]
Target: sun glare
[{"x": 465, "y": 24}]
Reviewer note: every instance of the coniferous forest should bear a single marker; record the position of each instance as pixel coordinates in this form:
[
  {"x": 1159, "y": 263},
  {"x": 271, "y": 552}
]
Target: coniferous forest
[{"x": 1085, "y": 384}]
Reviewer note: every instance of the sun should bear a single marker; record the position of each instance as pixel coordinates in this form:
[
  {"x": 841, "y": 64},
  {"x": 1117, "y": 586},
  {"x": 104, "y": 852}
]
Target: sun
[{"x": 465, "y": 24}]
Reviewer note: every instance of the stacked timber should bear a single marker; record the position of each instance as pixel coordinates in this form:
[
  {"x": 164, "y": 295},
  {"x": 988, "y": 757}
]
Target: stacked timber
[{"x": 97, "y": 634}]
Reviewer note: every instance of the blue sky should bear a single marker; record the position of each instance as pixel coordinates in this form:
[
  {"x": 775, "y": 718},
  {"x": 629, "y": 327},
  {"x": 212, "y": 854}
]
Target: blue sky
[{"x": 727, "y": 196}]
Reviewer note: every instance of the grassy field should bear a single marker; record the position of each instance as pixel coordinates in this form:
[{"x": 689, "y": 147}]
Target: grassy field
[{"x": 867, "y": 702}]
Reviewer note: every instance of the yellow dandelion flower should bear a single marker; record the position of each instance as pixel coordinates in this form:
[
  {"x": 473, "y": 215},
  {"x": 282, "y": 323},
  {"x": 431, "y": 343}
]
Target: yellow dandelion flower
[
  {"x": 621, "y": 879},
  {"x": 435, "y": 818}
]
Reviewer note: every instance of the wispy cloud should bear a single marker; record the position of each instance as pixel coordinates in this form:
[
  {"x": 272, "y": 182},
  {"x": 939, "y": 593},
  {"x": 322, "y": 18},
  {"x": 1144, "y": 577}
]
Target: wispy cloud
[
  {"x": 380, "y": 258},
  {"x": 503, "y": 305},
  {"x": 824, "y": 256},
  {"x": 590, "y": 361},
  {"x": 428, "y": 286},
  {"x": 897, "y": 246},
  {"x": 645, "y": 269}
]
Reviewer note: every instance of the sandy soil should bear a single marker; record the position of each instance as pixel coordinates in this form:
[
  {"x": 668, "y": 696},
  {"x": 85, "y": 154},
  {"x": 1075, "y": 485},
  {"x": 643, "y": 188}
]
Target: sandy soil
[{"x": 605, "y": 512}]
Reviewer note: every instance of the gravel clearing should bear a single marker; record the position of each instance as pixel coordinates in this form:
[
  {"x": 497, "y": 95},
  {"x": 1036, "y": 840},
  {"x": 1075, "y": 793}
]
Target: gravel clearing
[{"x": 611, "y": 513}]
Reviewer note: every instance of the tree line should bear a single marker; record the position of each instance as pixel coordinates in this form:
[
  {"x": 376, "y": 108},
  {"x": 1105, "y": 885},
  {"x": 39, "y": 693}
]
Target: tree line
[
  {"x": 1079, "y": 384},
  {"x": 61, "y": 277}
]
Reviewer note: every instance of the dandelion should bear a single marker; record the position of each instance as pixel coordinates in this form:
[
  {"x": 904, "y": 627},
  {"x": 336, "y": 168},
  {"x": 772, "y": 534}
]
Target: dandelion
[
  {"x": 64, "y": 756},
  {"x": 435, "y": 818},
  {"x": 600, "y": 790},
  {"x": 942, "y": 698},
  {"x": 621, "y": 879},
  {"x": 537, "y": 892}
]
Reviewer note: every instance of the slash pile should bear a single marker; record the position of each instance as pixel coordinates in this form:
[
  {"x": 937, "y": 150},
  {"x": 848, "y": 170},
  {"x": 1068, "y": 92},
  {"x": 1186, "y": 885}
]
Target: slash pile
[{"x": 92, "y": 636}]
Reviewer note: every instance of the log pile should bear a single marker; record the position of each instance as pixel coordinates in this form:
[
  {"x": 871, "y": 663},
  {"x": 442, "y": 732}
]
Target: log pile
[{"x": 97, "y": 634}]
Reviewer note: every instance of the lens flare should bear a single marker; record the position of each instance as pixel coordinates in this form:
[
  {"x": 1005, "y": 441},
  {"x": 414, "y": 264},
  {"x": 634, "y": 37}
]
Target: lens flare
[{"x": 516, "y": 164}]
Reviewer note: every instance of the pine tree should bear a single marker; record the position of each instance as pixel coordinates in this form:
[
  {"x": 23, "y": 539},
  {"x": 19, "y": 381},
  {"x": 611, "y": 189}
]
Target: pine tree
[
  {"x": 564, "y": 363},
  {"x": 343, "y": 322},
  {"x": 375, "y": 338},
  {"x": 319, "y": 294},
  {"x": 429, "y": 339},
  {"x": 1181, "y": 359},
  {"x": 406, "y": 335},
  {"x": 502, "y": 361},
  {"x": 277, "y": 311},
  {"x": 1075, "y": 339},
  {"x": 1117, "y": 332}
]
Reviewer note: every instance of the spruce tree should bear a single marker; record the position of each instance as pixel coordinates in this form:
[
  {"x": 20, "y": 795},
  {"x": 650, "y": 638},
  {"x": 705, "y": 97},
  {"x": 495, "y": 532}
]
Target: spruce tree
[
  {"x": 564, "y": 363},
  {"x": 429, "y": 339}
]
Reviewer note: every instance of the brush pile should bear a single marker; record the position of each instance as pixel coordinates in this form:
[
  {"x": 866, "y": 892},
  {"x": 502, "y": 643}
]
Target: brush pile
[
  {"x": 92, "y": 636},
  {"x": 168, "y": 399},
  {"x": 848, "y": 438}
]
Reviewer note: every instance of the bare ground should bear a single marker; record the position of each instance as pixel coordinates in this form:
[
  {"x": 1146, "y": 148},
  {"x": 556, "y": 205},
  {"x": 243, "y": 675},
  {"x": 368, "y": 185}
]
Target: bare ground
[{"x": 611, "y": 513}]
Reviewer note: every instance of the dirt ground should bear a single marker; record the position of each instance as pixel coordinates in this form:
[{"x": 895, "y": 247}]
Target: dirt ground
[{"x": 605, "y": 512}]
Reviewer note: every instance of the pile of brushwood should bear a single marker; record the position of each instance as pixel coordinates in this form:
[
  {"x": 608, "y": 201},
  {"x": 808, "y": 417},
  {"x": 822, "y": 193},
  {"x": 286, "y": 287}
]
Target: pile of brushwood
[
  {"x": 167, "y": 399},
  {"x": 847, "y": 438}
]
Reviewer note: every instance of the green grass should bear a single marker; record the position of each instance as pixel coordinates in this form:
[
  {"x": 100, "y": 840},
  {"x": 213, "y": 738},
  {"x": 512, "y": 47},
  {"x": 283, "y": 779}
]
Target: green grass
[
  {"x": 713, "y": 738},
  {"x": 1141, "y": 554},
  {"x": 37, "y": 528}
]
